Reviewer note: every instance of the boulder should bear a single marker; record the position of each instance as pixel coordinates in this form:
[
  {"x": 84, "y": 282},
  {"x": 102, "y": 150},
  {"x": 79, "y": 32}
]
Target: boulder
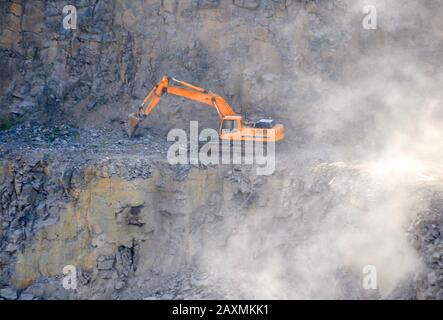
[{"x": 8, "y": 293}]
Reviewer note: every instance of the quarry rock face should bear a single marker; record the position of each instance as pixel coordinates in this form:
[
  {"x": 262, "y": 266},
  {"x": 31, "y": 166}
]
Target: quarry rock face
[
  {"x": 75, "y": 192},
  {"x": 267, "y": 58},
  {"x": 110, "y": 228},
  {"x": 122, "y": 48},
  {"x": 200, "y": 234}
]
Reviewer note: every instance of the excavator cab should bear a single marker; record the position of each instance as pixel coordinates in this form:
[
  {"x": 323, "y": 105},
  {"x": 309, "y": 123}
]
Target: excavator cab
[{"x": 231, "y": 127}]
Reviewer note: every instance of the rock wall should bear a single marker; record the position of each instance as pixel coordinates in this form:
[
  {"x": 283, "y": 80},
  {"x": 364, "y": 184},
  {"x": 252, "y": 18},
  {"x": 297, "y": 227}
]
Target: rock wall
[
  {"x": 108, "y": 226},
  {"x": 268, "y": 58},
  {"x": 248, "y": 51},
  {"x": 214, "y": 232}
]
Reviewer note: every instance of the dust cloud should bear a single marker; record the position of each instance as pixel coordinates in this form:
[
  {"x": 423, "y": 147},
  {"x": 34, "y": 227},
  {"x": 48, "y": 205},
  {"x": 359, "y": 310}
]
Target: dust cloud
[{"x": 379, "y": 121}]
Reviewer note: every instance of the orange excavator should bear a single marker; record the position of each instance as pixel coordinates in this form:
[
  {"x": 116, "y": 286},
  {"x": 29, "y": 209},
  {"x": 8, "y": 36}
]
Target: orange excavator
[{"x": 231, "y": 124}]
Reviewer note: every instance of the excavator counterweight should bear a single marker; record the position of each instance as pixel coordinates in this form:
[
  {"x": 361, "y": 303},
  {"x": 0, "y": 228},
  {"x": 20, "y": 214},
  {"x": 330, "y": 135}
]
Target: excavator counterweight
[{"x": 231, "y": 124}]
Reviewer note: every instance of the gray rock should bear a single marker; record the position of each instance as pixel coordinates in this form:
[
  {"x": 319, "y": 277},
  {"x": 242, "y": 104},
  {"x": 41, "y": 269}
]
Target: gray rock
[
  {"x": 8, "y": 293},
  {"x": 208, "y": 4},
  {"x": 105, "y": 263},
  {"x": 247, "y": 4},
  {"x": 28, "y": 194},
  {"x": 67, "y": 176},
  {"x": 106, "y": 274},
  {"x": 26, "y": 296},
  {"x": 119, "y": 285}
]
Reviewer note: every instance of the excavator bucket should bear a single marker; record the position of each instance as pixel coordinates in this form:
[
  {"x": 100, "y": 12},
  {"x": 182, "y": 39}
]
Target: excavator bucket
[{"x": 132, "y": 124}]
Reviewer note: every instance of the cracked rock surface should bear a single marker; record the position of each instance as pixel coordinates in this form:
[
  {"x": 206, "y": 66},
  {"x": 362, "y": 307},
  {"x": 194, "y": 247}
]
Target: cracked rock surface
[
  {"x": 358, "y": 179},
  {"x": 133, "y": 229}
]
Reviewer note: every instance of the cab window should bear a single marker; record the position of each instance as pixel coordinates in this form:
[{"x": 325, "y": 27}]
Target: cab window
[{"x": 229, "y": 126}]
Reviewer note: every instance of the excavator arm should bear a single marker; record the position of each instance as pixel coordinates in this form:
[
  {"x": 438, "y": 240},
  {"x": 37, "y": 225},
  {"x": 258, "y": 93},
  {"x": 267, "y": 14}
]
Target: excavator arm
[{"x": 180, "y": 89}]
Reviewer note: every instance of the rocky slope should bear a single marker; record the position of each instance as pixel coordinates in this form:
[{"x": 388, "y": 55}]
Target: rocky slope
[
  {"x": 137, "y": 227},
  {"x": 356, "y": 182},
  {"x": 293, "y": 60}
]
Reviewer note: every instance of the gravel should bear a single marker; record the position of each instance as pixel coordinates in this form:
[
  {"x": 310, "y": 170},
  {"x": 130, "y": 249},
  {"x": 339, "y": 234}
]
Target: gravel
[{"x": 79, "y": 146}]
